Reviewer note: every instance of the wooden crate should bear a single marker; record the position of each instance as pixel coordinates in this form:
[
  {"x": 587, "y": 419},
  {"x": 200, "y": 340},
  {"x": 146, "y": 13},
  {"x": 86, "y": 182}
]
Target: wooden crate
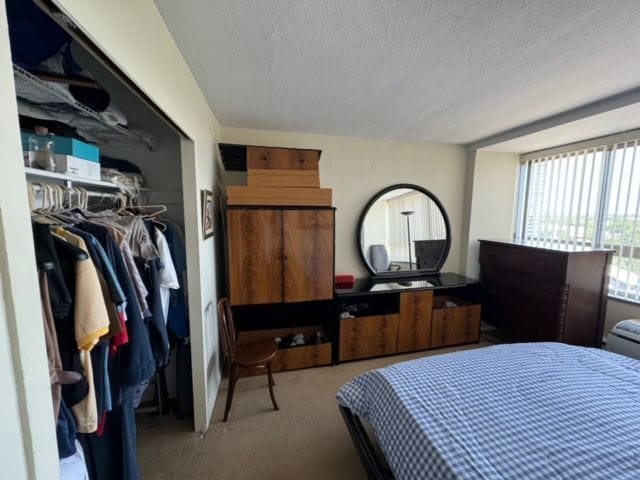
[
  {"x": 293, "y": 358},
  {"x": 454, "y": 325},
  {"x": 282, "y": 158},
  {"x": 279, "y": 196},
  {"x": 283, "y": 178}
]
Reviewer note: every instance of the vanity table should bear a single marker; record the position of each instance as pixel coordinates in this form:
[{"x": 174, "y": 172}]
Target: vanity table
[
  {"x": 407, "y": 304},
  {"x": 391, "y": 316}
]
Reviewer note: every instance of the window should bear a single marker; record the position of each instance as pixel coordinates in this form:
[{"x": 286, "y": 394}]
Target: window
[{"x": 587, "y": 198}]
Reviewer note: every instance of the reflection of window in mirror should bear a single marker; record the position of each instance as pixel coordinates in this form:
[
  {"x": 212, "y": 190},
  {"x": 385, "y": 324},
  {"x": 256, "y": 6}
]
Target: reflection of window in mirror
[{"x": 385, "y": 226}]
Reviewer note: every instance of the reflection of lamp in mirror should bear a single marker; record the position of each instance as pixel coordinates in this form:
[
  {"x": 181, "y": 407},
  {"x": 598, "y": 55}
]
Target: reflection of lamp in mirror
[{"x": 408, "y": 213}]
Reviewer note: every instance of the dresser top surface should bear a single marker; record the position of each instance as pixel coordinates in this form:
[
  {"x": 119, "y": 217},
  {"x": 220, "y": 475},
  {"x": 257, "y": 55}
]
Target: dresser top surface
[
  {"x": 548, "y": 246},
  {"x": 365, "y": 286}
]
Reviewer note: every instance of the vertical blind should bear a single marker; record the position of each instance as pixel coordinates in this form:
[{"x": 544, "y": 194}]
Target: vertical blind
[
  {"x": 587, "y": 198},
  {"x": 426, "y": 224}
]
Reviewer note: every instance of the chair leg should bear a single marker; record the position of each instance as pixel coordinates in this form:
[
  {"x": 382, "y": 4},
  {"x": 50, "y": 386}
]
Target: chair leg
[
  {"x": 271, "y": 384},
  {"x": 230, "y": 390}
]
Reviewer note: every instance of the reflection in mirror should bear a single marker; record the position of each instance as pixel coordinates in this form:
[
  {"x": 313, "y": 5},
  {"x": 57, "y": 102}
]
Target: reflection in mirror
[
  {"x": 381, "y": 287},
  {"x": 404, "y": 229}
]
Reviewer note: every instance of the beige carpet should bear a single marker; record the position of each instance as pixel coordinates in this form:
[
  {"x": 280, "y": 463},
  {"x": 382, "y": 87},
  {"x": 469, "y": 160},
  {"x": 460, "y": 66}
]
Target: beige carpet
[{"x": 305, "y": 439}]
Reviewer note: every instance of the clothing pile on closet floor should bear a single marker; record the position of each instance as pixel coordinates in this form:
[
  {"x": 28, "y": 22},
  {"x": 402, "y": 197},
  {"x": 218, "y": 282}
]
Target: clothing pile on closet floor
[{"x": 106, "y": 290}]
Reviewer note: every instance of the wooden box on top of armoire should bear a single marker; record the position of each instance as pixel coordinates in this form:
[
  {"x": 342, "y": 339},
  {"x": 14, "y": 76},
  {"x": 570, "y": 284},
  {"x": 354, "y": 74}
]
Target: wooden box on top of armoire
[
  {"x": 283, "y": 167},
  {"x": 545, "y": 291}
]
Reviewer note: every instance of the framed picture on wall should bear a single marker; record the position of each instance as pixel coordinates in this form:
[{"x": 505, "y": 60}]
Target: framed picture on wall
[{"x": 207, "y": 213}]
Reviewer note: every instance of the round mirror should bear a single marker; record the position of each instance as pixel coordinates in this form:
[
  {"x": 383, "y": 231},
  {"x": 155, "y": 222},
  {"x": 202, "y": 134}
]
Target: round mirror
[{"x": 404, "y": 230}]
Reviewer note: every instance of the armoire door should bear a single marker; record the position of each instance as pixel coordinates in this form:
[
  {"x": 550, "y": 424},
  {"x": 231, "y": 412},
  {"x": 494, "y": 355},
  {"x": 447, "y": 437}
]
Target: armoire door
[
  {"x": 308, "y": 255},
  {"x": 255, "y": 256}
]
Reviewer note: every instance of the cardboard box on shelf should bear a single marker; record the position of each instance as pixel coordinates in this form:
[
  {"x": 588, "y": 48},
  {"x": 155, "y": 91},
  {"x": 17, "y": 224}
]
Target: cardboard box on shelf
[{"x": 77, "y": 167}]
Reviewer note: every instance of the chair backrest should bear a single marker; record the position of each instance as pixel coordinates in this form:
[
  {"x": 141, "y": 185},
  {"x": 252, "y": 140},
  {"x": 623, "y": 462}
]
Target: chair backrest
[
  {"x": 227, "y": 327},
  {"x": 379, "y": 257}
]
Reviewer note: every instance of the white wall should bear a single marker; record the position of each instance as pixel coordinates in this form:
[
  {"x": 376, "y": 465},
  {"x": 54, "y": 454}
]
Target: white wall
[
  {"x": 357, "y": 168},
  {"x": 27, "y": 434},
  {"x": 491, "y": 195}
]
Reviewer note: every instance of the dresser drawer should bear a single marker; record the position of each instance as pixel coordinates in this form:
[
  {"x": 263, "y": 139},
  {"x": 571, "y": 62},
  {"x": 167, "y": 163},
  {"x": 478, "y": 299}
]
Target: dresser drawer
[
  {"x": 454, "y": 325},
  {"x": 364, "y": 347},
  {"x": 523, "y": 318},
  {"x": 511, "y": 300},
  {"x": 524, "y": 283},
  {"x": 535, "y": 262},
  {"x": 373, "y": 326}
]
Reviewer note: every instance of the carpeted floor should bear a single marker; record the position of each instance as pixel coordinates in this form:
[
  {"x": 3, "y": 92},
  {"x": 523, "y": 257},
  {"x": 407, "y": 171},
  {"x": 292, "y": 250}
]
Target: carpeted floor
[{"x": 305, "y": 439}]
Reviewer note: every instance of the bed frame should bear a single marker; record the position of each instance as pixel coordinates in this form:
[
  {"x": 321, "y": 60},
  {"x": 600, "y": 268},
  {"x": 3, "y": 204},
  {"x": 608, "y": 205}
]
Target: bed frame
[{"x": 375, "y": 466}]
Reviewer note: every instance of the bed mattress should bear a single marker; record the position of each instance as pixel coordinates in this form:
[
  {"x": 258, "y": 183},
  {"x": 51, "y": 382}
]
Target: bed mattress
[{"x": 521, "y": 411}]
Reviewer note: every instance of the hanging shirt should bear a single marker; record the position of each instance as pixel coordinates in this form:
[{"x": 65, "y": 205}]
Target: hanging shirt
[
  {"x": 141, "y": 291},
  {"x": 91, "y": 321},
  {"x": 51, "y": 342},
  {"x": 136, "y": 358},
  {"x": 91, "y": 316},
  {"x": 111, "y": 289},
  {"x": 74, "y": 467},
  {"x": 59, "y": 295},
  {"x": 177, "y": 318},
  {"x": 137, "y": 236},
  {"x": 168, "y": 276}
]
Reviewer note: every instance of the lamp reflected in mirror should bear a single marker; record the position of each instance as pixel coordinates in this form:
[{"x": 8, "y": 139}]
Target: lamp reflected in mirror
[{"x": 407, "y": 214}]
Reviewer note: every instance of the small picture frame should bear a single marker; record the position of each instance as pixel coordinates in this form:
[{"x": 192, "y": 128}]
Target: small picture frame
[{"x": 207, "y": 213}]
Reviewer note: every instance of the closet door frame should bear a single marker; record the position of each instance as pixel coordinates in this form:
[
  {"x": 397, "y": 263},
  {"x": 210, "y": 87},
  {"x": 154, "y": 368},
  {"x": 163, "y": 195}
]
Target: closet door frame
[{"x": 28, "y": 425}]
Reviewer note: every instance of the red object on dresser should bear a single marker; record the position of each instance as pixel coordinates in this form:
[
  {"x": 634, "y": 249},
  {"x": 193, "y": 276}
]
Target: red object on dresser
[{"x": 344, "y": 281}]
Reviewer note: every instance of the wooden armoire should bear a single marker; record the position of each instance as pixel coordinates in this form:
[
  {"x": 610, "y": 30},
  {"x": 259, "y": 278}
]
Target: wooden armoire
[{"x": 280, "y": 230}]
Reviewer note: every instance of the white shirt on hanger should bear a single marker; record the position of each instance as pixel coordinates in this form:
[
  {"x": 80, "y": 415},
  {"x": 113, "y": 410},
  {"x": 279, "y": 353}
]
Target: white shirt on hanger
[{"x": 168, "y": 276}]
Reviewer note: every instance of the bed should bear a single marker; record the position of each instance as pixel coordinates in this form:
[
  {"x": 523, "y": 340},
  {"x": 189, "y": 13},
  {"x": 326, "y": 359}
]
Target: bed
[{"x": 521, "y": 411}]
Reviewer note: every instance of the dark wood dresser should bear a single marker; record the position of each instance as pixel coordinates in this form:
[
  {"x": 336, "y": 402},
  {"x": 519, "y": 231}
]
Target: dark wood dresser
[{"x": 545, "y": 292}]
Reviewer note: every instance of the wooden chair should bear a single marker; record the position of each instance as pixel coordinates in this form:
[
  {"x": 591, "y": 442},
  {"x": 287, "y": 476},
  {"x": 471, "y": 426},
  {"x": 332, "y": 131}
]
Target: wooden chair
[{"x": 242, "y": 356}]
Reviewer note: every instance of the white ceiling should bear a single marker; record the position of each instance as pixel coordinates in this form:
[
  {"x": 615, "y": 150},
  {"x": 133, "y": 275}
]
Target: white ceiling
[{"x": 449, "y": 71}]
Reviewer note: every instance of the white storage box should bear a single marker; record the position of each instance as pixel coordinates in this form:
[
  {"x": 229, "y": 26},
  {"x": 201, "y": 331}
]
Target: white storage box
[
  {"x": 77, "y": 167},
  {"x": 624, "y": 339}
]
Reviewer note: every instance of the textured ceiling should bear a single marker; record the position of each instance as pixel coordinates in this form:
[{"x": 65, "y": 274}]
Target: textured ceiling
[{"x": 449, "y": 71}]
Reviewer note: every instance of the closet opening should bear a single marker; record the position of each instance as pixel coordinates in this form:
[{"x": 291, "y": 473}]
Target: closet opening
[{"x": 104, "y": 174}]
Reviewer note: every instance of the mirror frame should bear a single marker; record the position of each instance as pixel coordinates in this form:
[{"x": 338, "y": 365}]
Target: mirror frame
[{"x": 405, "y": 273}]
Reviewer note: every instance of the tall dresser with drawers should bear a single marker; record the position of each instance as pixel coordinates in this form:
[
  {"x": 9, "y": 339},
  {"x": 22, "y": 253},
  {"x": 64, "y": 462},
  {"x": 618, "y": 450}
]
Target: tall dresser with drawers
[{"x": 545, "y": 292}]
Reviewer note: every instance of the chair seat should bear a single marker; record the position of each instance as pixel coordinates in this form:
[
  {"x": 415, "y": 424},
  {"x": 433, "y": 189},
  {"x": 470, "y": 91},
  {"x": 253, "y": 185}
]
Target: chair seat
[{"x": 255, "y": 352}]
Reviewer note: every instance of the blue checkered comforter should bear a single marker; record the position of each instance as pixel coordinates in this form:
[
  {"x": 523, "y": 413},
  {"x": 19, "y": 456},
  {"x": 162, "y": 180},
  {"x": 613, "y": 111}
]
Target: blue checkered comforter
[{"x": 525, "y": 411}]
